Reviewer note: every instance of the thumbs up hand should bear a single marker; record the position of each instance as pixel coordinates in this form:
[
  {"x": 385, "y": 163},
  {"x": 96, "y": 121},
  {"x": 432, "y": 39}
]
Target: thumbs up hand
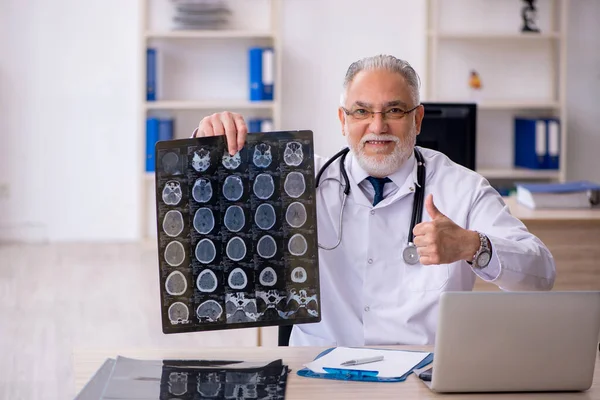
[{"x": 441, "y": 241}]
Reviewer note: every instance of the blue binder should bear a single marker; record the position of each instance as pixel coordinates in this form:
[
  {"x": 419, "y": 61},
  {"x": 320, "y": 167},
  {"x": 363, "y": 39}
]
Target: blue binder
[
  {"x": 165, "y": 129},
  {"x": 255, "y": 55},
  {"x": 359, "y": 375},
  {"x": 537, "y": 143},
  {"x": 152, "y": 135},
  {"x": 268, "y": 73},
  {"x": 151, "y": 74},
  {"x": 254, "y": 125}
]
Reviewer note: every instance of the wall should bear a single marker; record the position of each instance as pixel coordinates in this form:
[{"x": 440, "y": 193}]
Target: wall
[
  {"x": 323, "y": 39},
  {"x": 583, "y": 91},
  {"x": 68, "y": 83}
]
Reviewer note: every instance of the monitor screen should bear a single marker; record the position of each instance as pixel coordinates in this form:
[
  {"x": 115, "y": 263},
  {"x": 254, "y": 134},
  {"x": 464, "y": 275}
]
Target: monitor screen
[{"x": 450, "y": 128}]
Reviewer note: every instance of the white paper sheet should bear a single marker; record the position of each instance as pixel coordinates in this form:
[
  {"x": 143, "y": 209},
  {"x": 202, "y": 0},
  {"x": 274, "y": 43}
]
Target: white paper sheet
[{"x": 394, "y": 364}]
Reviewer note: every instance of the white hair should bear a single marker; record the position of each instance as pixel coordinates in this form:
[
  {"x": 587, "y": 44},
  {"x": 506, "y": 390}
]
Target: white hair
[{"x": 386, "y": 63}]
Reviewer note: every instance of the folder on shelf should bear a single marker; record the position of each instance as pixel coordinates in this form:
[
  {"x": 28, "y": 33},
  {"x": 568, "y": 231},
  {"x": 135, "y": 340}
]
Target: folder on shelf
[
  {"x": 166, "y": 129},
  {"x": 537, "y": 143},
  {"x": 396, "y": 366},
  {"x": 151, "y": 74},
  {"x": 256, "y": 125},
  {"x": 553, "y": 155},
  {"x": 255, "y": 59},
  {"x": 268, "y": 72},
  {"x": 152, "y": 136}
]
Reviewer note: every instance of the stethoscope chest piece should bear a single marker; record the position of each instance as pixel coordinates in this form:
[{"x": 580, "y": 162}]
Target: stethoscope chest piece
[{"x": 410, "y": 254}]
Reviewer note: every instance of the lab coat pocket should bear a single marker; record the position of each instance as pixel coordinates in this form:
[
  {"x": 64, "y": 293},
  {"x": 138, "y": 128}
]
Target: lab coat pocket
[{"x": 420, "y": 278}]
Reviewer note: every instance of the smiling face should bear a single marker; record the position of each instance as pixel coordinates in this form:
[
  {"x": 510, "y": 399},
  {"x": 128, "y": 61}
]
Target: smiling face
[{"x": 380, "y": 144}]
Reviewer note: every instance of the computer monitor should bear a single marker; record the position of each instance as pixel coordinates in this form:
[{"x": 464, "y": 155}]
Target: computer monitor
[{"x": 450, "y": 128}]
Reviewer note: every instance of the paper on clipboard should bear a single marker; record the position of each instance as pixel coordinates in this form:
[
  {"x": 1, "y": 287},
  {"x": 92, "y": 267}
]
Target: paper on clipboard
[{"x": 396, "y": 363}]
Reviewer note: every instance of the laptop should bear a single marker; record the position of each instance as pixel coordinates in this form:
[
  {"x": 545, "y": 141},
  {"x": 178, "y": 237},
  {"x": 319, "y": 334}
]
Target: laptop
[{"x": 515, "y": 342}]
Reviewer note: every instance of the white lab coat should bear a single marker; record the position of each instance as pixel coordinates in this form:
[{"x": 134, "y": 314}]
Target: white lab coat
[{"x": 369, "y": 295}]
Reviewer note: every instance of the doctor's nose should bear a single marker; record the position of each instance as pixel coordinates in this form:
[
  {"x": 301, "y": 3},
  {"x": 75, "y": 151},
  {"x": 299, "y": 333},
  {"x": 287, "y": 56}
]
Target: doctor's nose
[{"x": 378, "y": 124}]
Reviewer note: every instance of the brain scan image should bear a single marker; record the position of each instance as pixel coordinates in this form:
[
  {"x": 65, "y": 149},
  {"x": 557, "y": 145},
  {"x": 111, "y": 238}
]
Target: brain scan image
[
  {"x": 239, "y": 308},
  {"x": 176, "y": 284},
  {"x": 295, "y": 215},
  {"x": 292, "y": 155},
  {"x": 294, "y": 184},
  {"x": 204, "y": 220},
  {"x": 205, "y": 251},
  {"x": 207, "y": 281},
  {"x": 233, "y": 188},
  {"x": 236, "y": 249},
  {"x": 174, "y": 254},
  {"x": 262, "y": 155},
  {"x": 209, "y": 311},
  {"x": 237, "y": 279},
  {"x": 300, "y": 304},
  {"x": 297, "y": 245},
  {"x": 266, "y": 247},
  {"x": 209, "y": 384},
  {"x": 178, "y": 383},
  {"x": 231, "y": 162},
  {"x": 170, "y": 163},
  {"x": 268, "y": 277},
  {"x": 173, "y": 223},
  {"x": 271, "y": 300},
  {"x": 234, "y": 219},
  {"x": 171, "y": 193},
  {"x": 201, "y": 160},
  {"x": 299, "y": 275},
  {"x": 237, "y": 242},
  {"x": 265, "y": 216},
  {"x": 264, "y": 187},
  {"x": 178, "y": 313},
  {"x": 202, "y": 190}
]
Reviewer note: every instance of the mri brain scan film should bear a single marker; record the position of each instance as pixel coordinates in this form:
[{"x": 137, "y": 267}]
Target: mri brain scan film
[
  {"x": 234, "y": 218},
  {"x": 236, "y": 234},
  {"x": 202, "y": 190}
]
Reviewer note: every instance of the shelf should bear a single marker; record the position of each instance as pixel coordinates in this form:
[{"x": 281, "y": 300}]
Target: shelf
[
  {"x": 210, "y": 34},
  {"x": 210, "y": 105},
  {"x": 506, "y": 104},
  {"x": 518, "y": 173},
  {"x": 492, "y": 36},
  {"x": 518, "y": 104}
]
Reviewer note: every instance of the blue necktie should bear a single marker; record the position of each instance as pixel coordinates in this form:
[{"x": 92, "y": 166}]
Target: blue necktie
[{"x": 378, "y": 184}]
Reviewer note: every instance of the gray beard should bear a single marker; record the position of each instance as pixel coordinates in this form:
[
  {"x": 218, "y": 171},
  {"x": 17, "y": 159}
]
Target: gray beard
[{"x": 390, "y": 163}]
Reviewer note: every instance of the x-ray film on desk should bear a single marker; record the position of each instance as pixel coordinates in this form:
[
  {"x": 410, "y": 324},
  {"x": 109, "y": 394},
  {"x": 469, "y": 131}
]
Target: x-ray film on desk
[{"x": 237, "y": 235}]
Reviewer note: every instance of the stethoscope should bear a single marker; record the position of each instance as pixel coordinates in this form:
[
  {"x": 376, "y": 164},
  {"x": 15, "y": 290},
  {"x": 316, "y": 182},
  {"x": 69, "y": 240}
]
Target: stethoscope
[{"x": 409, "y": 254}]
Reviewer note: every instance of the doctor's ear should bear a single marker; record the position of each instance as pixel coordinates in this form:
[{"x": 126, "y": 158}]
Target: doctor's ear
[
  {"x": 419, "y": 114},
  {"x": 342, "y": 117}
]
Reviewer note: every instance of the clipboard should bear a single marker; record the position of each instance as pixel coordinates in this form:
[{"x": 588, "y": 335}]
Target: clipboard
[{"x": 359, "y": 375}]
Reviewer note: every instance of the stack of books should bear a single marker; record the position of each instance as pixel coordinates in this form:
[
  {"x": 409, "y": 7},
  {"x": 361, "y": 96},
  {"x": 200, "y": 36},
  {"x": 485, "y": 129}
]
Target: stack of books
[
  {"x": 126, "y": 378},
  {"x": 200, "y": 14},
  {"x": 578, "y": 194}
]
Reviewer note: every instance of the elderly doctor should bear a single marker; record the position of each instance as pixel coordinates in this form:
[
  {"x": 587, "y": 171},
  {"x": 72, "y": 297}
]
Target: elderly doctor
[{"x": 369, "y": 294}]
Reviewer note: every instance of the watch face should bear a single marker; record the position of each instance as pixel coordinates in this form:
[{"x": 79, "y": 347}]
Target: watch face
[{"x": 483, "y": 259}]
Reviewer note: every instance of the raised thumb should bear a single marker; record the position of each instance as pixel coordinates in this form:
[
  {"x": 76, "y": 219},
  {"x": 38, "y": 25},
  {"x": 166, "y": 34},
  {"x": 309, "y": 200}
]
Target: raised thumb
[{"x": 432, "y": 210}]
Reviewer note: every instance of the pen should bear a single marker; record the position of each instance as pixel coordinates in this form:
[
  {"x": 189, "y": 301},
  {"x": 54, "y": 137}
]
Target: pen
[{"x": 360, "y": 361}]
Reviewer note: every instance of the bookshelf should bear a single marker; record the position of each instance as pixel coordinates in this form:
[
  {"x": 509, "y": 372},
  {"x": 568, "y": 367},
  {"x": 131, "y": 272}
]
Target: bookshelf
[
  {"x": 486, "y": 36},
  {"x": 202, "y": 72}
]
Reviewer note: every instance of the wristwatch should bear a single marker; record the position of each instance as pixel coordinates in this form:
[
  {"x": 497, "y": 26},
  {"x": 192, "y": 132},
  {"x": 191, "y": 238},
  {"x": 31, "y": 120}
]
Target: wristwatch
[{"x": 483, "y": 256}]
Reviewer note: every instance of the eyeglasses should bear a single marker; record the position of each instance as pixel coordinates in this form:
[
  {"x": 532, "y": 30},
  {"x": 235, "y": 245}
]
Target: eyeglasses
[{"x": 393, "y": 113}]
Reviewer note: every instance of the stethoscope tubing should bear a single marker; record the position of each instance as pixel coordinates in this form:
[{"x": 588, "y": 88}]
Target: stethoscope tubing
[{"x": 417, "y": 211}]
